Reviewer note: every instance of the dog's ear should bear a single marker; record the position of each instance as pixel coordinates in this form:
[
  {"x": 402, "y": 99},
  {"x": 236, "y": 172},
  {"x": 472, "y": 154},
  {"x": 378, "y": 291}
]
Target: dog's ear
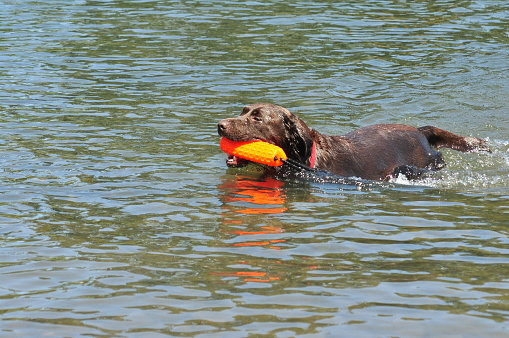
[{"x": 299, "y": 140}]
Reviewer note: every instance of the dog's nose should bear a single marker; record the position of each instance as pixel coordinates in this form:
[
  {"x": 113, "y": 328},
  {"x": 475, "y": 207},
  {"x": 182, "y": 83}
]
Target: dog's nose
[{"x": 222, "y": 125}]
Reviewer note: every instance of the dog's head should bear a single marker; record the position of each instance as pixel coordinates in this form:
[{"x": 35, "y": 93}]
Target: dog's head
[{"x": 272, "y": 124}]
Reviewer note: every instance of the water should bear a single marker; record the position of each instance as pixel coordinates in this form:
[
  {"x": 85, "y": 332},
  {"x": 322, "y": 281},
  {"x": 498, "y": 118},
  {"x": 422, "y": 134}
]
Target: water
[{"x": 118, "y": 214}]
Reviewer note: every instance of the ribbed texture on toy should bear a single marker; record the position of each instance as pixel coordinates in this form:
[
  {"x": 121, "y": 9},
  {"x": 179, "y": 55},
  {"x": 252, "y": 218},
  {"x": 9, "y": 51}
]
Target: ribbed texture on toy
[{"x": 256, "y": 151}]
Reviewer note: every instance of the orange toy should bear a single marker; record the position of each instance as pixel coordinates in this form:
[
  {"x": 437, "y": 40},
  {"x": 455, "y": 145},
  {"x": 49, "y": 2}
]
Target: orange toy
[{"x": 256, "y": 151}]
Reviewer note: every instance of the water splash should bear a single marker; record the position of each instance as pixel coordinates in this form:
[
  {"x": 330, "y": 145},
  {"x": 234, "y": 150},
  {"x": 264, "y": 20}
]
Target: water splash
[{"x": 472, "y": 172}]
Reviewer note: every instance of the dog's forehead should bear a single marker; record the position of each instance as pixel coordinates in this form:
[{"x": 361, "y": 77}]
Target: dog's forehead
[{"x": 266, "y": 108}]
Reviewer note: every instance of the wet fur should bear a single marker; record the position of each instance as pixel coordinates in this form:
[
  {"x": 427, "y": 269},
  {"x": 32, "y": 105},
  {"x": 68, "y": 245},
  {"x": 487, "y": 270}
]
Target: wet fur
[{"x": 374, "y": 152}]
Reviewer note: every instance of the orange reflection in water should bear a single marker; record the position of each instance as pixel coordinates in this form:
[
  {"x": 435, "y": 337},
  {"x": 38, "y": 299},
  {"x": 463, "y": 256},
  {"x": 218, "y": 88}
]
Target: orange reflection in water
[
  {"x": 263, "y": 192},
  {"x": 249, "y": 274},
  {"x": 263, "y": 196}
]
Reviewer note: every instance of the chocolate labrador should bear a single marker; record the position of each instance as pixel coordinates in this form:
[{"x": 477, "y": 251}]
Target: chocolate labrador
[{"x": 376, "y": 152}]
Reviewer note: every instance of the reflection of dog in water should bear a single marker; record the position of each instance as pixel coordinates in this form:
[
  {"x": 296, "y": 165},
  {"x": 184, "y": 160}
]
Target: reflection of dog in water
[{"x": 376, "y": 152}]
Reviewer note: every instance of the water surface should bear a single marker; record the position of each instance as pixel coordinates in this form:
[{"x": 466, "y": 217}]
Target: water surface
[{"x": 120, "y": 218}]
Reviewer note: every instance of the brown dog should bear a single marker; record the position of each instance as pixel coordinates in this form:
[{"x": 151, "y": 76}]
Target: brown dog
[{"x": 376, "y": 152}]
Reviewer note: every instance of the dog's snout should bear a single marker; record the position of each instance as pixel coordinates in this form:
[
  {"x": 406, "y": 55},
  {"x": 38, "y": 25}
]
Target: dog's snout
[{"x": 222, "y": 125}]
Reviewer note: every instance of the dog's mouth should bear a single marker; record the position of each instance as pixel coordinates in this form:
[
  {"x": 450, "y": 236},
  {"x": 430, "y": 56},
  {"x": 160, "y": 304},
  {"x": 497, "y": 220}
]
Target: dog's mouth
[{"x": 233, "y": 161}]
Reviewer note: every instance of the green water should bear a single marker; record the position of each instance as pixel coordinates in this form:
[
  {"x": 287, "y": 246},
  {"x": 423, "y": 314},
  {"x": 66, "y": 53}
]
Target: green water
[{"x": 118, "y": 216}]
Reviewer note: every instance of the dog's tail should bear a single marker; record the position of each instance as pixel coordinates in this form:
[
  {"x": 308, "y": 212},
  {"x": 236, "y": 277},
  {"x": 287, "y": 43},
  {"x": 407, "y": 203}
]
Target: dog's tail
[{"x": 440, "y": 138}]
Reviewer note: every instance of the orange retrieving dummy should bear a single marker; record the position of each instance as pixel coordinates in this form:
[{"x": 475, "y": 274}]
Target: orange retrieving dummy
[{"x": 256, "y": 151}]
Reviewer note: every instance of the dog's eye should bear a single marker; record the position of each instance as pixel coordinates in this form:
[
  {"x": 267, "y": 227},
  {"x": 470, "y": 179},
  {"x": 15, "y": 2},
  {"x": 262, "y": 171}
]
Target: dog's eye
[{"x": 256, "y": 116}]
